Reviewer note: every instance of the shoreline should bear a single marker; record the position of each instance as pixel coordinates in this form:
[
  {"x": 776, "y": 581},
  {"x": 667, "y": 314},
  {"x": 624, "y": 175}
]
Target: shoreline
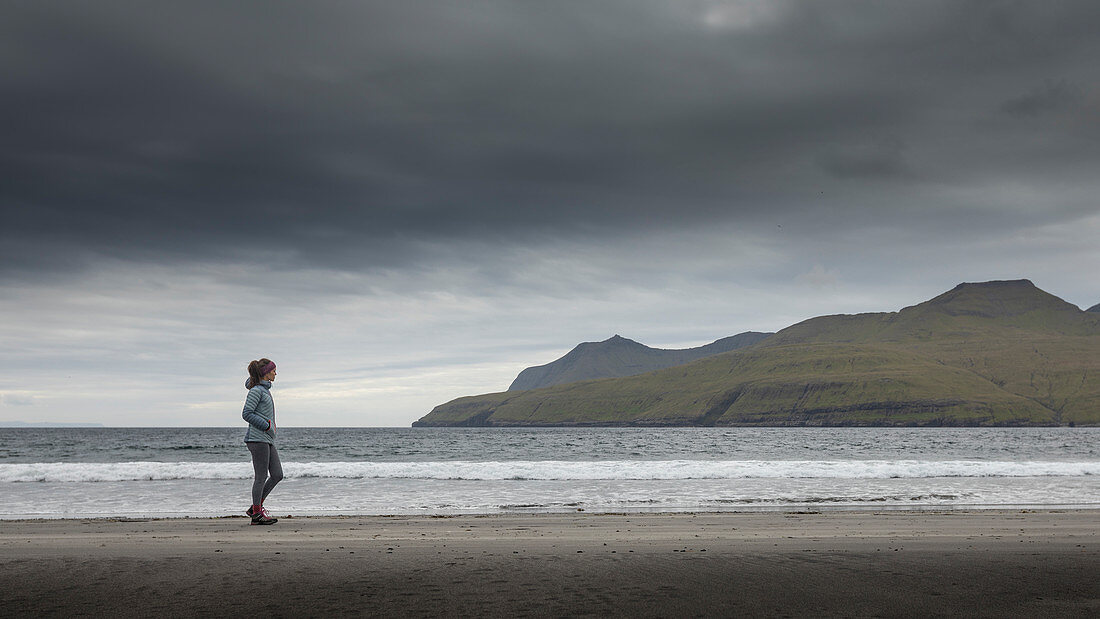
[
  {"x": 811, "y": 508},
  {"x": 1006, "y": 562},
  {"x": 741, "y": 510}
]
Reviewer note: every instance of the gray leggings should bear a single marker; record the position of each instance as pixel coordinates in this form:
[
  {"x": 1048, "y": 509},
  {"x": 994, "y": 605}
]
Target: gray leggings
[{"x": 265, "y": 459}]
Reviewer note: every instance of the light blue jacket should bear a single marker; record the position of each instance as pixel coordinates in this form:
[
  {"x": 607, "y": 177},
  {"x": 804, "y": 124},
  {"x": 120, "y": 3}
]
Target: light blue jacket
[{"x": 259, "y": 412}]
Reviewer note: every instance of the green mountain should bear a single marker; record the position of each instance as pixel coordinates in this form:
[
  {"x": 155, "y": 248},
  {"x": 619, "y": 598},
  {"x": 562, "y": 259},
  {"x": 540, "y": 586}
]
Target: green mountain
[
  {"x": 1094, "y": 308},
  {"x": 994, "y": 353},
  {"x": 617, "y": 357}
]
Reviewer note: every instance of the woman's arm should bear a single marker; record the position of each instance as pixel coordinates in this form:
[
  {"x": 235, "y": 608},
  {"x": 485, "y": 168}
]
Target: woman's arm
[{"x": 250, "y": 415}]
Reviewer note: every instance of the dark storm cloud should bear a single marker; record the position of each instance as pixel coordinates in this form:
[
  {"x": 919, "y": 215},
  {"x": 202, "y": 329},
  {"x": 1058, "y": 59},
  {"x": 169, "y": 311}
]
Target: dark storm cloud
[
  {"x": 336, "y": 133},
  {"x": 880, "y": 157},
  {"x": 1053, "y": 96}
]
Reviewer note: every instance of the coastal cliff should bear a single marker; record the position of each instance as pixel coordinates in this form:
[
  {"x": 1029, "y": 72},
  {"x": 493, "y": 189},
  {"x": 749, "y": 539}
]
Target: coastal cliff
[{"x": 992, "y": 353}]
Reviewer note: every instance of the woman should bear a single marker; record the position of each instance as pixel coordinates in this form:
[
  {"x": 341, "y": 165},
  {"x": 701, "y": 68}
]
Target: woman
[{"x": 259, "y": 412}]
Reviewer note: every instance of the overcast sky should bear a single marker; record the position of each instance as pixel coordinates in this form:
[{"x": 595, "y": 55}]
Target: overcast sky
[{"x": 406, "y": 202}]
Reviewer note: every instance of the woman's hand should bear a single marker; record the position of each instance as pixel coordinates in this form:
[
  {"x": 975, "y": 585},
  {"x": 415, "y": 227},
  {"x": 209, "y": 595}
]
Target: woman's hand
[{"x": 270, "y": 424}]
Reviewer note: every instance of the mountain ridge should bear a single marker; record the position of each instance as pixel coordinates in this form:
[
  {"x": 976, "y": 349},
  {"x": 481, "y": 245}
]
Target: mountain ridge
[
  {"x": 618, "y": 357},
  {"x": 990, "y": 353}
]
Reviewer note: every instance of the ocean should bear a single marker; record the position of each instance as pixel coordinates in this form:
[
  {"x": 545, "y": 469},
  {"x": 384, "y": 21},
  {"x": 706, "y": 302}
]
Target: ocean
[{"x": 160, "y": 472}]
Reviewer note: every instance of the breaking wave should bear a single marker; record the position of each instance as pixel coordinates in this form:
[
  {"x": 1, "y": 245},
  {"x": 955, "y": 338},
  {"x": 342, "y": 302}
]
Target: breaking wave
[{"x": 550, "y": 470}]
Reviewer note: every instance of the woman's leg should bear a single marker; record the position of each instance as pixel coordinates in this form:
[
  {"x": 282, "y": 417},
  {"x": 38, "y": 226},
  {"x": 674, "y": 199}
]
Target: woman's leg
[
  {"x": 261, "y": 455},
  {"x": 275, "y": 467}
]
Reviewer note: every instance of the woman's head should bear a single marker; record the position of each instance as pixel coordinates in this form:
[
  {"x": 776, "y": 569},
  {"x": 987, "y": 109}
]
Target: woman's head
[{"x": 260, "y": 369}]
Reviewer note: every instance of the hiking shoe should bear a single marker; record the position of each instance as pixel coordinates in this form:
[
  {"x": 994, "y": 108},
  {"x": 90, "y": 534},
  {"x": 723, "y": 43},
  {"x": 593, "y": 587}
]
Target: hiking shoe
[{"x": 263, "y": 518}]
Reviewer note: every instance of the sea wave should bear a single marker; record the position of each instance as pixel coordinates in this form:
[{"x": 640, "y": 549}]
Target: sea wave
[{"x": 550, "y": 470}]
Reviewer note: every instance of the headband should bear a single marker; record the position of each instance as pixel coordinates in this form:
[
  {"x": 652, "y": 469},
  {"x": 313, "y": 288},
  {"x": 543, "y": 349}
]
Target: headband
[{"x": 267, "y": 368}]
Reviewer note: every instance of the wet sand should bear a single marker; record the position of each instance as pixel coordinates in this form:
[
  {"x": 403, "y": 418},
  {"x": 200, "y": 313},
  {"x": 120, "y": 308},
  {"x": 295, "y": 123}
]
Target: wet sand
[{"x": 852, "y": 564}]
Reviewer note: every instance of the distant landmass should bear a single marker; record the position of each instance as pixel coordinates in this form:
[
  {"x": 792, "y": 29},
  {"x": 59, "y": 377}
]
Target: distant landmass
[
  {"x": 1001, "y": 353},
  {"x": 617, "y": 357},
  {"x": 47, "y": 424},
  {"x": 1094, "y": 308}
]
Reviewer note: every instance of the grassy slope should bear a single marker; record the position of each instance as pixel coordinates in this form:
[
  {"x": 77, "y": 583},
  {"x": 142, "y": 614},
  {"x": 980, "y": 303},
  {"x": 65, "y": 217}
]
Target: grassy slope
[
  {"x": 990, "y": 354},
  {"x": 1011, "y": 334}
]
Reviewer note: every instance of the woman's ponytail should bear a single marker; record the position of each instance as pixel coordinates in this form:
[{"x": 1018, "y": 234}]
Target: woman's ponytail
[{"x": 254, "y": 368}]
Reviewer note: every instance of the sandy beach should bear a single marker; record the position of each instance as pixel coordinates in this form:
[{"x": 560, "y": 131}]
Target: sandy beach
[{"x": 859, "y": 564}]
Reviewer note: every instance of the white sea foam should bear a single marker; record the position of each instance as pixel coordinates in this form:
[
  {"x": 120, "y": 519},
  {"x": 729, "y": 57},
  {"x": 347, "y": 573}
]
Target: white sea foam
[{"x": 551, "y": 470}]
